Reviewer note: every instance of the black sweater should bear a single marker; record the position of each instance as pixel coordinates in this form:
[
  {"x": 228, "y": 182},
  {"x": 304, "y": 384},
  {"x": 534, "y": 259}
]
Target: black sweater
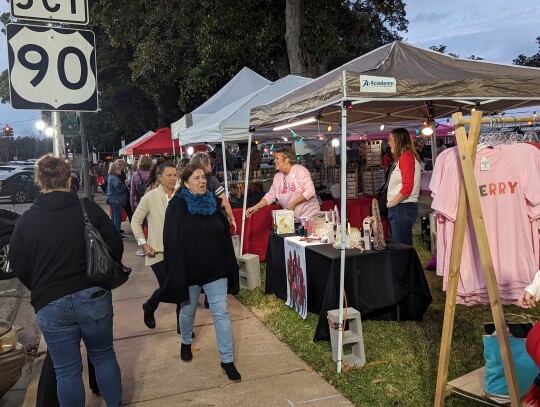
[
  {"x": 197, "y": 250},
  {"x": 47, "y": 248}
]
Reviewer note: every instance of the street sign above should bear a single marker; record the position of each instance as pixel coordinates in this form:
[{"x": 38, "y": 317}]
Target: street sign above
[
  {"x": 52, "y": 68},
  {"x": 62, "y": 11}
]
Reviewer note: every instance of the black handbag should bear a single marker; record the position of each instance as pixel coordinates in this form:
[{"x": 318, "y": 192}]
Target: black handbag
[{"x": 101, "y": 266}]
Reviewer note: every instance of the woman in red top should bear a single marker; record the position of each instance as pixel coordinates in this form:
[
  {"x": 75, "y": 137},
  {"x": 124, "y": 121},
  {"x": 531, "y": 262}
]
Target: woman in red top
[{"x": 403, "y": 186}]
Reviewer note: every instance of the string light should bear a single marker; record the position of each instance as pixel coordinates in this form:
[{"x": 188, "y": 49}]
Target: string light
[
  {"x": 321, "y": 137},
  {"x": 284, "y": 138},
  {"x": 382, "y": 127},
  {"x": 329, "y": 128},
  {"x": 256, "y": 142},
  {"x": 335, "y": 142}
]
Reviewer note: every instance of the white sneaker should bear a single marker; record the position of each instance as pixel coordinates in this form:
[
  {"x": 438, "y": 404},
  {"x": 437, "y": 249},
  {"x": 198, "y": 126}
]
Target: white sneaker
[{"x": 140, "y": 252}]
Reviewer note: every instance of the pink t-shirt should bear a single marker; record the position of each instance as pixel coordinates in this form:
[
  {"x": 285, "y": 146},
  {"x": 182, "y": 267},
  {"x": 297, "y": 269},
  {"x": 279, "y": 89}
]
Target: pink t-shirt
[
  {"x": 509, "y": 191},
  {"x": 285, "y": 189}
]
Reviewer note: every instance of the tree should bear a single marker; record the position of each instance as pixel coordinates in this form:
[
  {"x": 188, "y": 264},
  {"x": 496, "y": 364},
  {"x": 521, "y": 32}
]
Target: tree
[
  {"x": 533, "y": 60},
  {"x": 333, "y": 32},
  {"x": 442, "y": 50}
]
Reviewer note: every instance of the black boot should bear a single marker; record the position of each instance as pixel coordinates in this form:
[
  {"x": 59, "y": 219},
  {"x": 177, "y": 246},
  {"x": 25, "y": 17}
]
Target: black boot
[
  {"x": 149, "y": 319},
  {"x": 231, "y": 372},
  {"x": 185, "y": 353}
]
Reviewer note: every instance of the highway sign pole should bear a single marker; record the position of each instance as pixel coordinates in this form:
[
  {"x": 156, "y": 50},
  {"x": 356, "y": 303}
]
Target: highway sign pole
[{"x": 87, "y": 182}]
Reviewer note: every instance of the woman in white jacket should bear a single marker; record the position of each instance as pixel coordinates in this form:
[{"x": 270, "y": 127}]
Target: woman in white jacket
[{"x": 152, "y": 207}]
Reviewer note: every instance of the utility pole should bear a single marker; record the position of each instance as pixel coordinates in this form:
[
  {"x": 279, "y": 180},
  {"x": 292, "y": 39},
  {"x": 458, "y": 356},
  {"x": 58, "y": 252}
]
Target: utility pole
[{"x": 87, "y": 182}]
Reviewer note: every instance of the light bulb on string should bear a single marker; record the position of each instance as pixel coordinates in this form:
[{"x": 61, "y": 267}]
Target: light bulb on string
[
  {"x": 321, "y": 137},
  {"x": 329, "y": 128},
  {"x": 381, "y": 127},
  {"x": 335, "y": 142},
  {"x": 417, "y": 131},
  {"x": 300, "y": 140},
  {"x": 284, "y": 138}
]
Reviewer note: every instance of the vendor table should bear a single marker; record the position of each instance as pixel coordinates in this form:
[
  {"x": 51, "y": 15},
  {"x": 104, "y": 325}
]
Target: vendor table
[{"x": 386, "y": 284}]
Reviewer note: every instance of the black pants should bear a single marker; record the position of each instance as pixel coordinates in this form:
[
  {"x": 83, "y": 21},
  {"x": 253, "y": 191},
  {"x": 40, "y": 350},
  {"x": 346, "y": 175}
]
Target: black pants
[
  {"x": 129, "y": 211},
  {"x": 153, "y": 301},
  {"x": 46, "y": 392}
]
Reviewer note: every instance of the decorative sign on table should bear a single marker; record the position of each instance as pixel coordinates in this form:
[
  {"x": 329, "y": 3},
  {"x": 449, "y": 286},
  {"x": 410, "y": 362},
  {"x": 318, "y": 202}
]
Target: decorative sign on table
[{"x": 295, "y": 267}]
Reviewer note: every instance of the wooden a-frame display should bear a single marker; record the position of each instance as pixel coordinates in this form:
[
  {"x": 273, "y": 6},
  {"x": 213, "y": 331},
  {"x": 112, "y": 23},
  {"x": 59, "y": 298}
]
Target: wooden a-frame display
[{"x": 469, "y": 201}]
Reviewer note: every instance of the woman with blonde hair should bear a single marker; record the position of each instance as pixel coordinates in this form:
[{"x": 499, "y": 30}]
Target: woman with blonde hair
[
  {"x": 116, "y": 193},
  {"x": 292, "y": 187}
]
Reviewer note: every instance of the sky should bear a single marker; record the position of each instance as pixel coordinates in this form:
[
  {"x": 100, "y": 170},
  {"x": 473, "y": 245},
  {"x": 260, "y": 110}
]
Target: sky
[{"x": 496, "y": 30}]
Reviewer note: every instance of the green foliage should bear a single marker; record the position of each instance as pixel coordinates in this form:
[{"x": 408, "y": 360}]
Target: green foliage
[{"x": 533, "y": 60}]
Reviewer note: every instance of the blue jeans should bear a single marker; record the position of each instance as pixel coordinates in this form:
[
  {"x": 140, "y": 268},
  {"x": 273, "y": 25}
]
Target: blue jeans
[
  {"x": 67, "y": 320},
  {"x": 216, "y": 292},
  {"x": 116, "y": 215},
  {"x": 401, "y": 218}
]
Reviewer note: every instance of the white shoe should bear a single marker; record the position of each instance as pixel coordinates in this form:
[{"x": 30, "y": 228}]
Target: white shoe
[{"x": 140, "y": 252}]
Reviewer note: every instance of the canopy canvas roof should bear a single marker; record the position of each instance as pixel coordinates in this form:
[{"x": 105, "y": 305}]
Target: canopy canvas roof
[
  {"x": 242, "y": 84},
  {"x": 429, "y": 84},
  {"x": 232, "y": 122},
  {"x": 158, "y": 143},
  {"x": 122, "y": 151}
]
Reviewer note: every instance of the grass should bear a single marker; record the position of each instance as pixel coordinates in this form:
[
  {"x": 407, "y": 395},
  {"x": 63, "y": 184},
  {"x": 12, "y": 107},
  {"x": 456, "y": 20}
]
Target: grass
[{"x": 401, "y": 357}]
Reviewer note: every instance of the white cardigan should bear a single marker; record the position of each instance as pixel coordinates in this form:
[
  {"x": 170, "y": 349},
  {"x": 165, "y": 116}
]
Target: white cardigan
[{"x": 152, "y": 207}]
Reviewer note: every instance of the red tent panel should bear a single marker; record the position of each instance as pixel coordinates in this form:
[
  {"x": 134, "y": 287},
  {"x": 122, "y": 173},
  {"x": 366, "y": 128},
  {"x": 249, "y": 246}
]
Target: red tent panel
[{"x": 159, "y": 143}]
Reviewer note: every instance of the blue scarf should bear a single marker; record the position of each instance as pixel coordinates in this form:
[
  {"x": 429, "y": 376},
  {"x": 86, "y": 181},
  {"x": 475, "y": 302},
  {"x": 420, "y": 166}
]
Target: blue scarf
[{"x": 199, "y": 204}]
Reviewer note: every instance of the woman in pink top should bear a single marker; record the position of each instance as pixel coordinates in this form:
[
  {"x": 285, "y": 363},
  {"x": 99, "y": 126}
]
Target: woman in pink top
[
  {"x": 292, "y": 186},
  {"x": 403, "y": 187}
]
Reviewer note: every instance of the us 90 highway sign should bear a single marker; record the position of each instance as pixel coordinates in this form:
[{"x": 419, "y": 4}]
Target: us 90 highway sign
[{"x": 52, "y": 68}]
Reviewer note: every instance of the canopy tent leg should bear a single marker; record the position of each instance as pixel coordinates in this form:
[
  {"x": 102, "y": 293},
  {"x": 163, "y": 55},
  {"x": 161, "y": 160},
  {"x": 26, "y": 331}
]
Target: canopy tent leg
[
  {"x": 224, "y": 158},
  {"x": 246, "y": 184},
  {"x": 343, "y": 178}
]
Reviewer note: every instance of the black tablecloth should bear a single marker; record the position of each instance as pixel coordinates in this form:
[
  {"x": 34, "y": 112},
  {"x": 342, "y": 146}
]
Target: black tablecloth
[{"x": 386, "y": 284}]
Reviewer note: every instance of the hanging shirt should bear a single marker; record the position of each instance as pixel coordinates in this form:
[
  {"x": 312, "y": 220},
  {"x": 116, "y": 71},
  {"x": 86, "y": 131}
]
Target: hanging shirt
[{"x": 509, "y": 191}]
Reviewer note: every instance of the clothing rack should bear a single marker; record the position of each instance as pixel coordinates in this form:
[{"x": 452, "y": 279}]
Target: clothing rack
[{"x": 470, "y": 201}]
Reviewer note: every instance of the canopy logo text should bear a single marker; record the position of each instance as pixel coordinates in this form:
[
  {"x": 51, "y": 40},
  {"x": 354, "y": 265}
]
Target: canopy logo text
[{"x": 377, "y": 84}]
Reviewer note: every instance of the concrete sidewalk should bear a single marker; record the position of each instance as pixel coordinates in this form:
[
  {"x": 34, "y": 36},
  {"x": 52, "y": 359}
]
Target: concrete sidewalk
[{"x": 154, "y": 375}]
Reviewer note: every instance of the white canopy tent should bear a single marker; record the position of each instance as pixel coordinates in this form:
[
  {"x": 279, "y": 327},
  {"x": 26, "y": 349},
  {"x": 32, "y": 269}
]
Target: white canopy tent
[
  {"x": 242, "y": 84},
  {"x": 400, "y": 82},
  {"x": 232, "y": 123}
]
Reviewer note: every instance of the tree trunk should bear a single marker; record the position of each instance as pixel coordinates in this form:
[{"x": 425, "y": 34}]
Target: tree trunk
[{"x": 293, "y": 28}]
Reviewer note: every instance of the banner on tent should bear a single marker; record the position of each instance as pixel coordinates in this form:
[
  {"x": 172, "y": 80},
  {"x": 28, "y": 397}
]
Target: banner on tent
[
  {"x": 295, "y": 267},
  {"x": 377, "y": 84}
]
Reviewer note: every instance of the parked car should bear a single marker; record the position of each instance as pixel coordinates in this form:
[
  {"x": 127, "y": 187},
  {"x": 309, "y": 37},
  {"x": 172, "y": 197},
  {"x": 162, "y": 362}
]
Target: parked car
[
  {"x": 18, "y": 185},
  {"x": 8, "y": 219},
  {"x": 12, "y": 357}
]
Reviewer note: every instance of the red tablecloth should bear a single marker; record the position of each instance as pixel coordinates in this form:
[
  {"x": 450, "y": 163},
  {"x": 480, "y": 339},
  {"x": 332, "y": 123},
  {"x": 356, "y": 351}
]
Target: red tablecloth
[
  {"x": 259, "y": 225},
  {"x": 256, "y": 229},
  {"x": 358, "y": 210}
]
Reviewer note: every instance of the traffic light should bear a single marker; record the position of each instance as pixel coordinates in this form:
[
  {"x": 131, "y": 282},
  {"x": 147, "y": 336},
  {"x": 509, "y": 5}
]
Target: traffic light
[{"x": 8, "y": 130}]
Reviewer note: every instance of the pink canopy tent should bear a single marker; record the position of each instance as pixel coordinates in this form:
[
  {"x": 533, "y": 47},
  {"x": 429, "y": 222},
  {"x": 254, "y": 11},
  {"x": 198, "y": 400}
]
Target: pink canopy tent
[
  {"x": 158, "y": 143},
  {"x": 441, "y": 131}
]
